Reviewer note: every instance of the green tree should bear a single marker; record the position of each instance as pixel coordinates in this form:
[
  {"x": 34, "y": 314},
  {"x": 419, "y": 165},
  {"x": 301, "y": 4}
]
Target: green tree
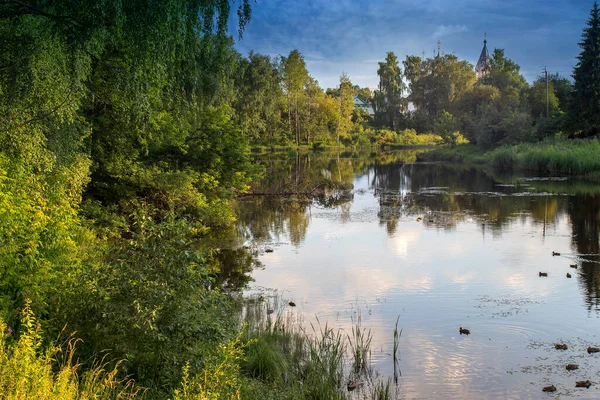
[
  {"x": 586, "y": 88},
  {"x": 365, "y": 94},
  {"x": 505, "y": 75},
  {"x": 537, "y": 98},
  {"x": 388, "y": 97},
  {"x": 435, "y": 83},
  {"x": 563, "y": 89},
  {"x": 259, "y": 97},
  {"x": 346, "y": 101},
  {"x": 447, "y": 127},
  {"x": 295, "y": 77}
]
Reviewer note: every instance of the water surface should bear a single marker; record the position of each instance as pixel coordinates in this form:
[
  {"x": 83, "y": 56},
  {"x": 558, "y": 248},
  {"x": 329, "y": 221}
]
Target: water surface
[{"x": 440, "y": 246}]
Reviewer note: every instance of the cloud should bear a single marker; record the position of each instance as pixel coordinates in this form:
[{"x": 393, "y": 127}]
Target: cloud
[
  {"x": 448, "y": 30},
  {"x": 353, "y": 35}
]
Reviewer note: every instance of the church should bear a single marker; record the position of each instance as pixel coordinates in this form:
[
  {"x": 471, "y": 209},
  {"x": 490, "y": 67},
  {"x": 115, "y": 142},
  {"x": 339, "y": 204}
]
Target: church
[{"x": 483, "y": 66}]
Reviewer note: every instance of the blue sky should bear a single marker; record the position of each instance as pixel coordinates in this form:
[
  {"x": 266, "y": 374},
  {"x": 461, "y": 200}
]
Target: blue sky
[{"x": 351, "y": 36}]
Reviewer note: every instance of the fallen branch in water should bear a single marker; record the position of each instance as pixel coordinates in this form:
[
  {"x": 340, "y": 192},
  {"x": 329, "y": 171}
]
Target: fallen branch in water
[{"x": 316, "y": 191}]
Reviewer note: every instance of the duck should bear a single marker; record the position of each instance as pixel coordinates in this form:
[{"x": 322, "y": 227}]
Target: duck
[
  {"x": 352, "y": 385},
  {"x": 464, "y": 331},
  {"x": 550, "y": 388},
  {"x": 585, "y": 384},
  {"x": 543, "y": 274},
  {"x": 572, "y": 367},
  {"x": 559, "y": 346},
  {"x": 591, "y": 350},
  {"x": 554, "y": 253},
  {"x": 292, "y": 304},
  {"x": 568, "y": 275},
  {"x": 573, "y": 266},
  {"x": 268, "y": 250}
]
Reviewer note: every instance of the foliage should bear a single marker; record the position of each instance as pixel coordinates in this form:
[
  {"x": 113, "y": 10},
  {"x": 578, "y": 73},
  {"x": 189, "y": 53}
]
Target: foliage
[
  {"x": 446, "y": 126},
  {"x": 28, "y": 371},
  {"x": 437, "y": 82},
  {"x": 152, "y": 301},
  {"x": 537, "y": 99},
  {"x": 560, "y": 156},
  {"x": 586, "y": 89},
  {"x": 220, "y": 378},
  {"x": 388, "y": 98}
]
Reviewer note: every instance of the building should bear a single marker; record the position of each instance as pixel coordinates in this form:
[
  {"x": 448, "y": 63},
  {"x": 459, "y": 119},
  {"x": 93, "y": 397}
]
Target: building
[
  {"x": 360, "y": 104},
  {"x": 483, "y": 66}
]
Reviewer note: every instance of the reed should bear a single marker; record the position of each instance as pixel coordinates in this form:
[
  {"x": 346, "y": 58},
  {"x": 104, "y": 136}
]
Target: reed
[
  {"x": 397, "y": 334},
  {"x": 360, "y": 346},
  {"x": 382, "y": 390}
]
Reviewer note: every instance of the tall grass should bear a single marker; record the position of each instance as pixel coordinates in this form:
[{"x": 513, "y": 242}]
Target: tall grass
[
  {"x": 286, "y": 358},
  {"x": 360, "y": 346},
  {"x": 28, "y": 371},
  {"x": 561, "y": 157},
  {"x": 316, "y": 363},
  {"x": 382, "y": 390},
  {"x": 395, "y": 356}
]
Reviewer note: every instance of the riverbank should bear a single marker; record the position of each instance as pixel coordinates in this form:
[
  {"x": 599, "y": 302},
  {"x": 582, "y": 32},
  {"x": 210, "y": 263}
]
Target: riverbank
[
  {"x": 271, "y": 357},
  {"x": 560, "y": 157},
  {"x": 374, "y": 140}
]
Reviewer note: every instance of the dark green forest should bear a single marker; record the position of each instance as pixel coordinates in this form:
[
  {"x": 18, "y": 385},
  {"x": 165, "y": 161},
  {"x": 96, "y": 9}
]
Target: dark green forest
[{"x": 125, "y": 130}]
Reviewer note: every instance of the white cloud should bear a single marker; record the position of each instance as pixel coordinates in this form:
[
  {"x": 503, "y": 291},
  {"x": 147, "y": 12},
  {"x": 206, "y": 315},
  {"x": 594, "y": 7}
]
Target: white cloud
[{"x": 448, "y": 30}]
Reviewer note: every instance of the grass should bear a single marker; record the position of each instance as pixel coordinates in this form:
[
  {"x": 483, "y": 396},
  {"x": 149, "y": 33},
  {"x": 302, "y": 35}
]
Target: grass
[
  {"x": 288, "y": 360},
  {"x": 28, "y": 371},
  {"x": 560, "y": 157},
  {"x": 382, "y": 390},
  {"x": 272, "y": 357},
  {"x": 317, "y": 363},
  {"x": 360, "y": 346},
  {"x": 395, "y": 357}
]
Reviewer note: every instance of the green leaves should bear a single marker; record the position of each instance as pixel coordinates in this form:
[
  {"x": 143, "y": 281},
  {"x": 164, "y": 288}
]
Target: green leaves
[{"x": 586, "y": 94}]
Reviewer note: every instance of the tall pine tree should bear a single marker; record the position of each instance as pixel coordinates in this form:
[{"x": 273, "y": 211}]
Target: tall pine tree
[{"x": 586, "y": 94}]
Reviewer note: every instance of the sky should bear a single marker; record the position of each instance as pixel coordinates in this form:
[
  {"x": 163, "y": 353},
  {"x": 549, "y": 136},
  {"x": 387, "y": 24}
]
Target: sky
[{"x": 352, "y": 36}]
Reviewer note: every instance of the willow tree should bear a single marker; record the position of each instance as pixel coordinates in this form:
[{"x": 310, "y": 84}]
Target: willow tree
[{"x": 126, "y": 102}]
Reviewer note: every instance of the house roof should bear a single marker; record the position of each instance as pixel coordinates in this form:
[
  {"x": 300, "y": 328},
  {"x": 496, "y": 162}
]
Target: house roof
[{"x": 358, "y": 102}]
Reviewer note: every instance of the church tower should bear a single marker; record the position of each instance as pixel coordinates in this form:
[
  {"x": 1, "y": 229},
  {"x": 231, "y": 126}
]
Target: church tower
[{"x": 483, "y": 65}]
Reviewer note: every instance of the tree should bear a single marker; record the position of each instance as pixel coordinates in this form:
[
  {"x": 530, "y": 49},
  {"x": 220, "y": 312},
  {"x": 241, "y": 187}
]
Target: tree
[
  {"x": 437, "y": 82},
  {"x": 537, "y": 98},
  {"x": 365, "y": 94},
  {"x": 447, "y": 127},
  {"x": 505, "y": 75},
  {"x": 563, "y": 89},
  {"x": 586, "y": 88},
  {"x": 470, "y": 105},
  {"x": 346, "y": 100},
  {"x": 295, "y": 77},
  {"x": 388, "y": 97},
  {"x": 259, "y": 97}
]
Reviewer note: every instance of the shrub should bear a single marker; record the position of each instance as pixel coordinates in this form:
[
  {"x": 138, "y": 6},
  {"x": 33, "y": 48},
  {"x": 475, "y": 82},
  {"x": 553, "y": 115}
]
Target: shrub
[{"x": 27, "y": 371}]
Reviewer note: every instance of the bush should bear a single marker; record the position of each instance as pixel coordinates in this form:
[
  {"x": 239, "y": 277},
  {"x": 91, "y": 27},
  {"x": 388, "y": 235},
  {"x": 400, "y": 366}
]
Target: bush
[
  {"x": 503, "y": 158},
  {"x": 27, "y": 371},
  {"x": 264, "y": 359}
]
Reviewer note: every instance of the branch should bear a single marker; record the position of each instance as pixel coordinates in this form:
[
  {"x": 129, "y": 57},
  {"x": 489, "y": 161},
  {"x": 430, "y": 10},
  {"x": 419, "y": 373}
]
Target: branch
[
  {"x": 42, "y": 116},
  {"x": 28, "y": 9}
]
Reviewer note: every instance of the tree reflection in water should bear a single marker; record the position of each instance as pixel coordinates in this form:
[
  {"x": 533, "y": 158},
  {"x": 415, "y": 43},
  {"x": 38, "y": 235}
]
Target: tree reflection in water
[{"x": 442, "y": 195}]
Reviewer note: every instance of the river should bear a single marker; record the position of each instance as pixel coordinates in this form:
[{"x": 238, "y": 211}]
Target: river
[{"x": 440, "y": 247}]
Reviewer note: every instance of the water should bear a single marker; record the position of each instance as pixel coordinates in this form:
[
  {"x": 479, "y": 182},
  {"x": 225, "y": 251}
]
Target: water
[{"x": 440, "y": 246}]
